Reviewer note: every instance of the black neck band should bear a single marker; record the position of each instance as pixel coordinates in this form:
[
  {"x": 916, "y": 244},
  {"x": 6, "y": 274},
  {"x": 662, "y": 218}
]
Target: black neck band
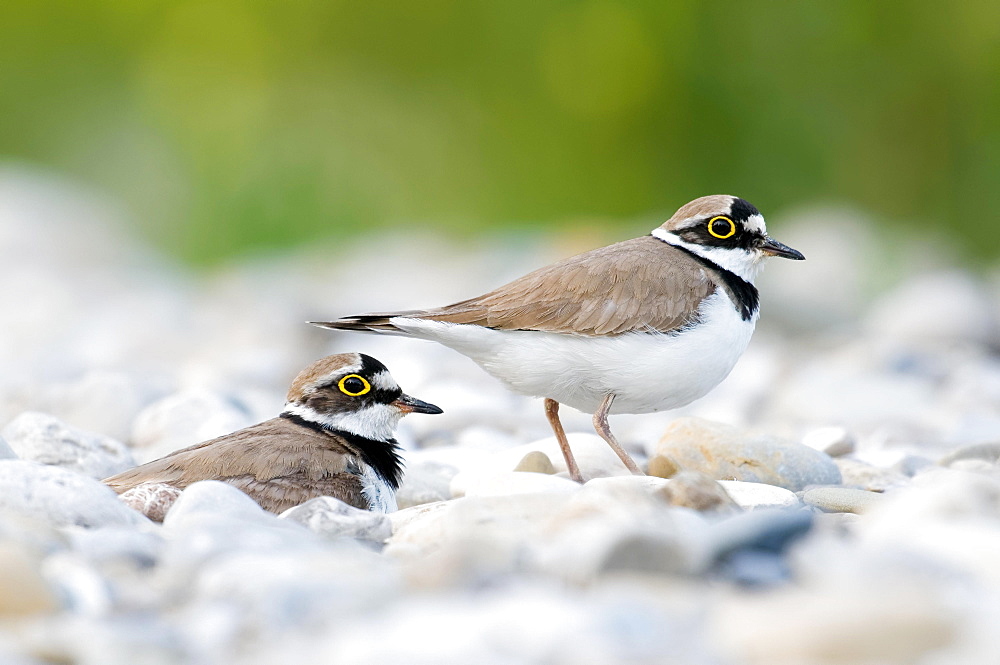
[
  {"x": 382, "y": 456},
  {"x": 743, "y": 294}
]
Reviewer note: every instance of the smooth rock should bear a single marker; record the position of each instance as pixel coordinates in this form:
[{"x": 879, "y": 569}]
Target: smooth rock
[
  {"x": 23, "y": 590},
  {"x": 945, "y": 516},
  {"x": 474, "y": 537},
  {"x": 662, "y": 466},
  {"x": 151, "y": 499},
  {"x": 43, "y": 438},
  {"x": 619, "y": 525},
  {"x": 112, "y": 547},
  {"x": 755, "y": 496},
  {"x": 82, "y": 589},
  {"x": 911, "y": 465},
  {"x": 841, "y": 499},
  {"x": 834, "y": 441},
  {"x": 836, "y": 623},
  {"x": 593, "y": 455},
  {"x": 988, "y": 452},
  {"x": 725, "y": 453},
  {"x": 60, "y": 497},
  {"x": 503, "y": 483},
  {"x": 331, "y": 517},
  {"x": 283, "y": 593},
  {"x": 688, "y": 490},
  {"x": 425, "y": 481},
  {"x": 212, "y": 519},
  {"x": 942, "y": 306},
  {"x": 855, "y": 473},
  {"x": 184, "y": 419},
  {"x": 697, "y": 491},
  {"x": 749, "y": 548},
  {"x": 645, "y": 553},
  {"x": 624, "y": 486},
  {"x": 209, "y": 498},
  {"x": 535, "y": 462}
]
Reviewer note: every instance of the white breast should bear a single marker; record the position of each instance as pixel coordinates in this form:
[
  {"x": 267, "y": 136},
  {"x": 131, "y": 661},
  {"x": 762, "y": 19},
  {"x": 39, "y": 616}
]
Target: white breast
[
  {"x": 380, "y": 496},
  {"x": 646, "y": 371}
]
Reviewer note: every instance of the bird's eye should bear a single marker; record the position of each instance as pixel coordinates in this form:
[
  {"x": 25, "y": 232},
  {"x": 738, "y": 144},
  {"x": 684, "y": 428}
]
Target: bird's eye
[
  {"x": 722, "y": 227},
  {"x": 354, "y": 385}
]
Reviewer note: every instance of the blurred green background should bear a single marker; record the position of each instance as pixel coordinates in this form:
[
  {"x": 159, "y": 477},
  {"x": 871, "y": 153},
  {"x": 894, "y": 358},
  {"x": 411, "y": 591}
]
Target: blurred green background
[{"x": 228, "y": 126}]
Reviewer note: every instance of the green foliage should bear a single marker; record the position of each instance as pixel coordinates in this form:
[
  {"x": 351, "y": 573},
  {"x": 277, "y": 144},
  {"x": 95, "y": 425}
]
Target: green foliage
[{"x": 229, "y": 125}]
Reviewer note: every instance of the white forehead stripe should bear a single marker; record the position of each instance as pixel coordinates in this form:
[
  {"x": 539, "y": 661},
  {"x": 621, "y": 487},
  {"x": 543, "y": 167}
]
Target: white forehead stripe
[
  {"x": 383, "y": 381},
  {"x": 755, "y": 224}
]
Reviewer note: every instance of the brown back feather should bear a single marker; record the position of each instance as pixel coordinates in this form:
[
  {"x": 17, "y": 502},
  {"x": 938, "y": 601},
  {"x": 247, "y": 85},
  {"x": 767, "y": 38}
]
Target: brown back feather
[{"x": 636, "y": 285}]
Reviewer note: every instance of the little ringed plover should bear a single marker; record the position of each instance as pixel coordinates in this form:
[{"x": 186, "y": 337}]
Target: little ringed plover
[
  {"x": 335, "y": 438},
  {"x": 643, "y": 325}
]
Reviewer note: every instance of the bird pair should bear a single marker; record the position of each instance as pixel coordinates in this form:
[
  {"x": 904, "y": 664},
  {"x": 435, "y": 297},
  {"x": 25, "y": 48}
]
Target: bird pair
[{"x": 643, "y": 325}]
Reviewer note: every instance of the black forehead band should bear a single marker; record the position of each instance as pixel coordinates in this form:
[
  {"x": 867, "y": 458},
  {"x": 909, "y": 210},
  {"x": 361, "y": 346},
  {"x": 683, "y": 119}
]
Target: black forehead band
[
  {"x": 742, "y": 210},
  {"x": 370, "y": 366}
]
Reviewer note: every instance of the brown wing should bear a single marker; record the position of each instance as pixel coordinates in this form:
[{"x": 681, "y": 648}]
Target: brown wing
[
  {"x": 637, "y": 285},
  {"x": 274, "y": 462}
]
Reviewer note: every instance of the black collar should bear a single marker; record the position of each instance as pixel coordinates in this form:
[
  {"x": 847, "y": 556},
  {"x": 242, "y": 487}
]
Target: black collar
[
  {"x": 744, "y": 295},
  {"x": 382, "y": 456}
]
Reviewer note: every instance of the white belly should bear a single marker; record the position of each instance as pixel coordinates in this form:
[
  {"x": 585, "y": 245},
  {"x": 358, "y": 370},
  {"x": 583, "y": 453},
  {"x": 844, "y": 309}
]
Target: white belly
[{"x": 646, "y": 371}]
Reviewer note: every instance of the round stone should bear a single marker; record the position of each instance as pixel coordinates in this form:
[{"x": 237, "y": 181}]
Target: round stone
[
  {"x": 44, "y": 438},
  {"x": 834, "y": 441},
  {"x": 333, "y": 518},
  {"x": 841, "y": 499},
  {"x": 55, "y": 496},
  {"x": 726, "y": 453},
  {"x": 25, "y": 592},
  {"x": 535, "y": 461},
  {"x": 755, "y": 496},
  {"x": 697, "y": 491}
]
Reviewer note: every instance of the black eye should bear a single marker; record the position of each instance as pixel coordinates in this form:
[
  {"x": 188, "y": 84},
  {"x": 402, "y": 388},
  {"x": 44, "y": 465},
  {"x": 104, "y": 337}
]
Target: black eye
[
  {"x": 722, "y": 227},
  {"x": 354, "y": 385}
]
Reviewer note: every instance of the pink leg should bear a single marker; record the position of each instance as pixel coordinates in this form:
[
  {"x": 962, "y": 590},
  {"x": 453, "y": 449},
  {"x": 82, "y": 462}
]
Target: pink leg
[
  {"x": 601, "y": 425},
  {"x": 552, "y": 413}
]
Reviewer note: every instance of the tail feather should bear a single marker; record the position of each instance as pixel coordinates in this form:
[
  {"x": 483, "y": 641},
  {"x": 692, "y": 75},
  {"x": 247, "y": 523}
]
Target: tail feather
[{"x": 377, "y": 323}]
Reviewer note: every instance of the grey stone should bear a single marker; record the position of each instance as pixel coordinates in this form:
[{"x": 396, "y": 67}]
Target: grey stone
[
  {"x": 841, "y": 499},
  {"x": 834, "y": 441},
  {"x": 113, "y": 546},
  {"x": 759, "y": 496},
  {"x": 535, "y": 461},
  {"x": 55, "y": 496},
  {"x": 942, "y": 306},
  {"x": 331, "y": 517},
  {"x": 855, "y": 473},
  {"x": 186, "y": 418},
  {"x": 725, "y": 453},
  {"x": 25, "y": 591},
  {"x": 44, "y": 438},
  {"x": 749, "y": 548},
  {"x": 425, "y": 481},
  {"x": 645, "y": 553},
  {"x": 212, "y": 519},
  {"x": 502, "y": 483},
  {"x": 593, "y": 455},
  {"x": 697, "y": 491},
  {"x": 988, "y": 452}
]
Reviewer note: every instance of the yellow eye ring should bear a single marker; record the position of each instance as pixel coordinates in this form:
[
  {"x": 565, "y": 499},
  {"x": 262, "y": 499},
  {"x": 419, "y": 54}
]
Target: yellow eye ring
[
  {"x": 365, "y": 386},
  {"x": 721, "y": 218}
]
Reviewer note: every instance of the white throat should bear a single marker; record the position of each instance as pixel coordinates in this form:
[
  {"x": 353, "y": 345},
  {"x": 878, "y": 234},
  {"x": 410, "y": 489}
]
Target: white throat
[
  {"x": 376, "y": 422},
  {"x": 738, "y": 261}
]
